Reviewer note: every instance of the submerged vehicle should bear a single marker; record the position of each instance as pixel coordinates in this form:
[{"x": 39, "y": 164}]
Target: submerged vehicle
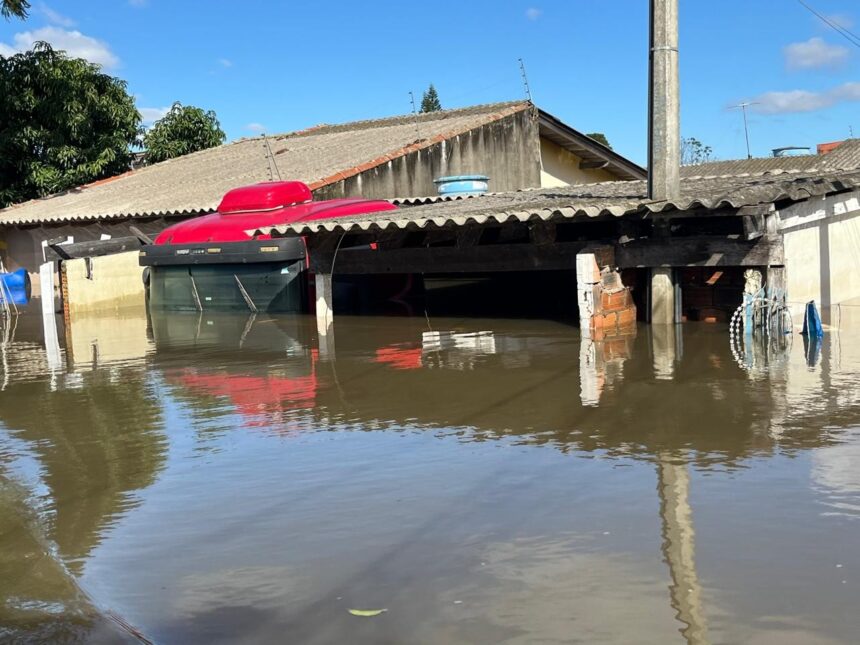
[{"x": 216, "y": 262}]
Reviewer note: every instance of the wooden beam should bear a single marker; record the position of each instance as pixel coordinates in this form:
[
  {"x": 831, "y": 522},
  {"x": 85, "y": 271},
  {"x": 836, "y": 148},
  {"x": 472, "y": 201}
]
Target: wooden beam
[
  {"x": 756, "y": 209},
  {"x": 542, "y": 233},
  {"x": 450, "y": 259},
  {"x": 699, "y": 251},
  {"x": 468, "y": 236}
]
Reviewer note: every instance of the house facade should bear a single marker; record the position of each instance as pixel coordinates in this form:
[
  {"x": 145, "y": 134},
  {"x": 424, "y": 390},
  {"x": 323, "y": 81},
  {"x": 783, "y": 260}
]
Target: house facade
[{"x": 516, "y": 144}]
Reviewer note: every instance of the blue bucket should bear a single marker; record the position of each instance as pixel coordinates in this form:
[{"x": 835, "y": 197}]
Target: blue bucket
[
  {"x": 462, "y": 185},
  {"x": 15, "y": 287}
]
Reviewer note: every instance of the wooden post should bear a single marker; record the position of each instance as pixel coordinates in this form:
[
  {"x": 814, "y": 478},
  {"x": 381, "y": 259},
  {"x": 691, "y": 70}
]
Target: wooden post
[{"x": 662, "y": 296}]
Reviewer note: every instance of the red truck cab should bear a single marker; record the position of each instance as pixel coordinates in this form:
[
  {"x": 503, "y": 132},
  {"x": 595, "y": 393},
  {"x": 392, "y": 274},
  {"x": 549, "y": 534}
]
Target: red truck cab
[{"x": 217, "y": 262}]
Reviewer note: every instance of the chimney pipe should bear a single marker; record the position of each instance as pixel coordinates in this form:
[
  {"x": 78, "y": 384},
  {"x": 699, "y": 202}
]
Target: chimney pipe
[{"x": 664, "y": 104}]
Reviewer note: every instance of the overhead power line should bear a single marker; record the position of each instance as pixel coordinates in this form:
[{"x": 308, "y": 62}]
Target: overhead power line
[{"x": 848, "y": 35}]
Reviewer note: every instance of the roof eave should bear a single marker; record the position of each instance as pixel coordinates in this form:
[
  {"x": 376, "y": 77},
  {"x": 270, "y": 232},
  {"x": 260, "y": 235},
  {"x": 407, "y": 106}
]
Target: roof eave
[{"x": 587, "y": 148}]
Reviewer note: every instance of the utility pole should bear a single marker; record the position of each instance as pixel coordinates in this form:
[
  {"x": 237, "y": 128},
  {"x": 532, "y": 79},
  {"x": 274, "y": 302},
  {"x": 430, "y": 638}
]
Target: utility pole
[
  {"x": 743, "y": 107},
  {"x": 664, "y": 103}
]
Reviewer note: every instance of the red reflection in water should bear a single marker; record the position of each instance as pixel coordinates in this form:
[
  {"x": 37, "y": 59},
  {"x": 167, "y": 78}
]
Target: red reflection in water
[
  {"x": 261, "y": 399},
  {"x": 400, "y": 358}
]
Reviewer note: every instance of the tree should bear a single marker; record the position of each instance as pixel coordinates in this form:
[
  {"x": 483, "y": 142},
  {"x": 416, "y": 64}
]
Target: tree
[
  {"x": 16, "y": 8},
  {"x": 600, "y": 138},
  {"x": 63, "y": 123},
  {"x": 694, "y": 151},
  {"x": 184, "y": 129},
  {"x": 430, "y": 100}
]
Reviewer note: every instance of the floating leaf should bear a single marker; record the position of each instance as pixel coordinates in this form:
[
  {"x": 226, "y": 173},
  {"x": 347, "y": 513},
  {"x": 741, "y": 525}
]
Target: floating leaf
[{"x": 367, "y": 613}]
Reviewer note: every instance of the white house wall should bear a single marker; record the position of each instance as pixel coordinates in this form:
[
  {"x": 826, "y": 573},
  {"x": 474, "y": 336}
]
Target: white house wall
[{"x": 822, "y": 255}]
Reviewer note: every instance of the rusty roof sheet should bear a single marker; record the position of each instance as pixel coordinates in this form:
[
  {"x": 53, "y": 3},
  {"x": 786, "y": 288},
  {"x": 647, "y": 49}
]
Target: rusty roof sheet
[
  {"x": 195, "y": 183},
  {"x": 591, "y": 200}
]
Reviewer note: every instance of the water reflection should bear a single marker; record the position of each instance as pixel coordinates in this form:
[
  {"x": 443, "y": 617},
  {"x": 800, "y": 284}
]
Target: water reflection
[{"x": 485, "y": 480}]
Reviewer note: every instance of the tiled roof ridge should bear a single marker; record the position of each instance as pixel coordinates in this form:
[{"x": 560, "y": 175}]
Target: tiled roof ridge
[{"x": 402, "y": 119}]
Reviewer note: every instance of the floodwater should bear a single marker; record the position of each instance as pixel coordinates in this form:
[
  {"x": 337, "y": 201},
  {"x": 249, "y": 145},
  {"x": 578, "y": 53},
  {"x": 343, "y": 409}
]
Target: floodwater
[{"x": 207, "y": 479}]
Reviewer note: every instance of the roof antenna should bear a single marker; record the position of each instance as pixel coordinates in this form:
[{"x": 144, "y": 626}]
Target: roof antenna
[
  {"x": 525, "y": 80},
  {"x": 851, "y": 131},
  {"x": 744, "y": 106},
  {"x": 270, "y": 158},
  {"x": 415, "y": 114}
]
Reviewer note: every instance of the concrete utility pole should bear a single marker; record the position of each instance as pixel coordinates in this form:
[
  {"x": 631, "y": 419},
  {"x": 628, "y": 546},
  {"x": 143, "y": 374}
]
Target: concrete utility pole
[{"x": 664, "y": 104}]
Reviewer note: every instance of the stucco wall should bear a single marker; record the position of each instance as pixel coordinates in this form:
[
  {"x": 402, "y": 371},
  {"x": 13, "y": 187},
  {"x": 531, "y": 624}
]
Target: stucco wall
[
  {"x": 822, "y": 252},
  {"x": 113, "y": 282},
  {"x": 560, "y": 167},
  {"x": 506, "y": 150}
]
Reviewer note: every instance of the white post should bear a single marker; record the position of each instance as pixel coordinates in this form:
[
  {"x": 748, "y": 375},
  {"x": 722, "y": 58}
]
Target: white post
[
  {"x": 662, "y": 296},
  {"x": 49, "y": 320},
  {"x": 325, "y": 312},
  {"x": 587, "y": 291}
]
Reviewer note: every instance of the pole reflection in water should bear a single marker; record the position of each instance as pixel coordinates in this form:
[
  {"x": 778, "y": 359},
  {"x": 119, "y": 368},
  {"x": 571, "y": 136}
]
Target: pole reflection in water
[
  {"x": 679, "y": 547},
  {"x": 663, "y": 350}
]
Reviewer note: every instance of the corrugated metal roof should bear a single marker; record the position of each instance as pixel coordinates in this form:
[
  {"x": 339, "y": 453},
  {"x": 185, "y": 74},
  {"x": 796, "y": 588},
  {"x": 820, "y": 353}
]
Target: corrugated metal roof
[
  {"x": 195, "y": 183},
  {"x": 591, "y": 200}
]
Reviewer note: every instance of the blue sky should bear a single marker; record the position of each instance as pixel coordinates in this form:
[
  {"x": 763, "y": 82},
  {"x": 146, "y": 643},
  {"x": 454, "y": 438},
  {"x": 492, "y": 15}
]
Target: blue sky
[{"x": 288, "y": 65}]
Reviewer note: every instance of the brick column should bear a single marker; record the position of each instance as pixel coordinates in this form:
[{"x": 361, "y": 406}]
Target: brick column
[{"x": 605, "y": 305}]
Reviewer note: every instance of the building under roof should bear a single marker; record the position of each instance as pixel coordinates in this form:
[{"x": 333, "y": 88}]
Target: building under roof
[{"x": 834, "y": 157}]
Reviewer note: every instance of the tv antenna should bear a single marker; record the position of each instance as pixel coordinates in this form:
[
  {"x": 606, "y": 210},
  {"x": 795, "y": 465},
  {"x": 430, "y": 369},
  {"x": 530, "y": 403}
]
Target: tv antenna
[
  {"x": 743, "y": 107},
  {"x": 415, "y": 114},
  {"x": 525, "y": 80},
  {"x": 270, "y": 158}
]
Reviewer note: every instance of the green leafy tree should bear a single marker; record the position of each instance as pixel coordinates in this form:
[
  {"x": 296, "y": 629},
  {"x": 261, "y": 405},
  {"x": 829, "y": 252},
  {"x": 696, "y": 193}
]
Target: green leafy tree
[
  {"x": 63, "y": 123},
  {"x": 14, "y": 8},
  {"x": 600, "y": 138},
  {"x": 694, "y": 151},
  {"x": 184, "y": 129},
  {"x": 430, "y": 100}
]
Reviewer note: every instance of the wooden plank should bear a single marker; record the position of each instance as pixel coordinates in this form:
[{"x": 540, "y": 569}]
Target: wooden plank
[
  {"x": 91, "y": 248},
  {"x": 699, "y": 251},
  {"x": 449, "y": 259}
]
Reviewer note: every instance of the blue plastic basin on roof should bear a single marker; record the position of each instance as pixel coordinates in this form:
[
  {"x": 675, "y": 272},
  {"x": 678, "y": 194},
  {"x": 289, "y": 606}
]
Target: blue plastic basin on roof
[{"x": 462, "y": 185}]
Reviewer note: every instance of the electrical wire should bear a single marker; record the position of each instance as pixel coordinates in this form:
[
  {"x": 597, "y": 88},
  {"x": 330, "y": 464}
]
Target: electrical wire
[{"x": 851, "y": 37}]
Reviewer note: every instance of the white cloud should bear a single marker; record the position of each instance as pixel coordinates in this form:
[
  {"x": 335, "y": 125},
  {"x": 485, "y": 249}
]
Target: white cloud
[
  {"x": 533, "y": 13},
  {"x": 74, "y": 43},
  {"x": 150, "y": 115},
  {"x": 814, "y": 54},
  {"x": 259, "y": 128},
  {"x": 804, "y": 101},
  {"x": 225, "y": 62},
  {"x": 55, "y": 17}
]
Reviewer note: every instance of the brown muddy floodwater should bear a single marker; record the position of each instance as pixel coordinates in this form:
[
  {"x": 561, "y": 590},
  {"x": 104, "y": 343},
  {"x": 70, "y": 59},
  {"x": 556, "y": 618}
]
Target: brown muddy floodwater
[{"x": 207, "y": 479}]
